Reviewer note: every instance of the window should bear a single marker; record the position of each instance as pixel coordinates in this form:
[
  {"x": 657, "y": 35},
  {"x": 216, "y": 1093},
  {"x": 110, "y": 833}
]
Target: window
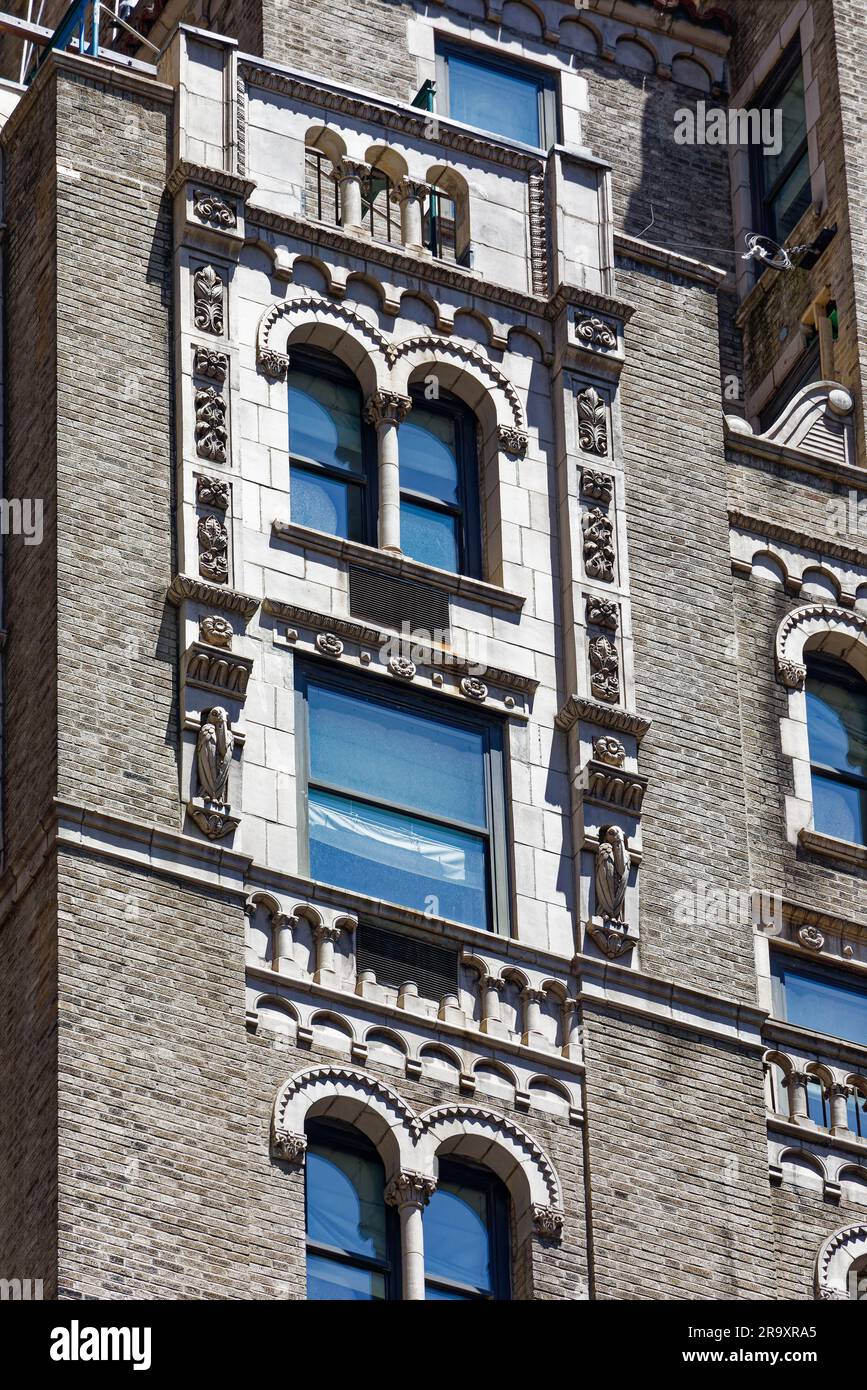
[
  {"x": 404, "y": 799},
  {"x": 332, "y": 460},
  {"x": 466, "y": 1235},
  {"x": 351, "y": 1233},
  {"x": 837, "y": 731},
  {"x": 807, "y": 368},
  {"x": 822, "y": 1000},
  {"x": 492, "y": 94},
  {"x": 858, "y": 1282},
  {"x": 439, "y": 487},
  {"x": 781, "y": 182}
]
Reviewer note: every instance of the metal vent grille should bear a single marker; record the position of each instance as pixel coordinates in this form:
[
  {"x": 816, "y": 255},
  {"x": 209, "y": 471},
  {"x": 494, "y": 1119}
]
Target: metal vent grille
[
  {"x": 395, "y": 958},
  {"x": 392, "y": 602}
]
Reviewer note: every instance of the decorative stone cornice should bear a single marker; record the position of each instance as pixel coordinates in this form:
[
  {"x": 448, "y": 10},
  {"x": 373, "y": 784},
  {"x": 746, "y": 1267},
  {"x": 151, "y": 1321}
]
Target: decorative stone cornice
[
  {"x": 620, "y": 720},
  {"x": 592, "y": 301},
  {"x": 802, "y": 540},
  {"x": 184, "y": 587},
  {"x": 187, "y": 172},
  {"x": 683, "y": 267},
  {"x": 216, "y": 670},
  {"x": 614, "y": 787}
]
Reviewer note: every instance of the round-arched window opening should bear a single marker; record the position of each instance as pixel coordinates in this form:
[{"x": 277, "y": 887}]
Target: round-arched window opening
[
  {"x": 352, "y": 1237},
  {"x": 466, "y": 1235},
  {"x": 858, "y": 1281},
  {"x": 837, "y": 733}
]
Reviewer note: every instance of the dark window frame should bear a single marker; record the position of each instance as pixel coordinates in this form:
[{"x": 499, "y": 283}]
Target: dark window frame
[
  {"x": 496, "y": 793},
  {"x": 807, "y": 369},
  {"x": 766, "y": 99},
  {"x": 323, "y": 364},
  {"x": 792, "y": 960},
  {"x": 840, "y": 673},
  {"x": 467, "y": 511},
  {"x": 468, "y": 1174},
  {"x": 339, "y": 1135},
  {"x": 545, "y": 78}
]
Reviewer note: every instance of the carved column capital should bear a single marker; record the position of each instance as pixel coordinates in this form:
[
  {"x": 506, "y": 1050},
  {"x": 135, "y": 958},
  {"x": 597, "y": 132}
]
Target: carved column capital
[
  {"x": 352, "y": 169},
  {"x": 405, "y": 188},
  {"x": 326, "y": 932},
  {"x": 548, "y": 1222},
  {"x": 410, "y": 1189},
  {"x": 387, "y": 408},
  {"x": 289, "y": 1148}
]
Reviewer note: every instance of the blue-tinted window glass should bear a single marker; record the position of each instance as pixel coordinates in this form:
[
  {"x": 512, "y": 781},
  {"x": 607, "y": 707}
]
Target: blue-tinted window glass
[
  {"x": 345, "y": 1206},
  {"x": 324, "y": 503},
  {"x": 457, "y": 1243},
  {"x": 819, "y": 1002},
  {"x": 324, "y": 421},
  {"x": 837, "y": 731},
  {"x": 856, "y": 1114},
  {"x": 494, "y": 99},
  {"x": 394, "y": 755},
  {"x": 333, "y": 1281},
  {"x": 429, "y": 536},
  {"x": 428, "y": 455},
  {"x": 816, "y": 1104},
  {"x": 398, "y": 857},
  {"x": 838, "y": 809}
]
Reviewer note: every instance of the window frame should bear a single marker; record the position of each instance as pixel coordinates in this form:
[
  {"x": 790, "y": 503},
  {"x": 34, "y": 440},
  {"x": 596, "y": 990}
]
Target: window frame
[
  {"x": 316, "y": 362},
  {"x": 339, "y": 1135},
  {"x": 792, "y": 960},
  {"x": 763, "y": 196},
  {"x": 836, "y": 672},
  {"x": 806, "y": 370},
  {"x": 468, "y": 510},
  {"x": 548, "y": 95},
  {"x": 468, "y": 1174},
  {"x": 418, "y": 703}
]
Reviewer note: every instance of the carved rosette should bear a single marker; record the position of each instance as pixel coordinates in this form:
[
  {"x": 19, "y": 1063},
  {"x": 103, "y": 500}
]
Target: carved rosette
[
  {"x": 598, "y": 532},
  {"x": 602, "y": 612},
  {"x": 402, "y": 667},
  {"x": 512, "y": 440},
  {"x": 289, "y": 1148},
  {"x": 208, "y": 296},
  {"x": 810, "y": 936},
  {"x": 212, "y": 492},
  {"x": 596, "y": 484},
  {"x": 592, "y": 426},
  {"x": 210, "y": 362},
  {"x": 328, "y": 644},
  {"x": 212, "y": 436},
  {"x": 410, "y": 1189},
  {"x": 473, "y": 688},
  {"x": 596, "y": 333},
  {"x": 214, "y": 210},
  {"x": 604, "y": 670},
  {"x": 548, "y": 1222},
  {"x": 610, "y": 750},
  {"x": 213, "y": 549},
  {"x": 217, "y": 631}
]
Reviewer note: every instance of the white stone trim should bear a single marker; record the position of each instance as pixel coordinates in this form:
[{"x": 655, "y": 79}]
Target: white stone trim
[{"x": 836, "y": 1258}]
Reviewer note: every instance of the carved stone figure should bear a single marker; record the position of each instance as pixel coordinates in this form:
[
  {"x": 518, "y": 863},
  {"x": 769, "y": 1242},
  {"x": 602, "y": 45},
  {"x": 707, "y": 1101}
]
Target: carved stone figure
[
  {"x": 214, "y": 755},
  {"x": 612, "y": 874}
]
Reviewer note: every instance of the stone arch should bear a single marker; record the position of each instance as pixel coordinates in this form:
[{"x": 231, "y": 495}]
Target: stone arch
[
  {"x": 524, "y": 17},
  {"x": 769, "y": 568},
  {"x": 819, "y": 583},
  {"x": 461, "y": 369},
  {"x": 581, "y": 35},
  {"x": 501, "y": 1145},
  {"x": 633, "y": 51},
  {"x": 688, "y": 69},
  {"x": 336, "y": 328},
  {"x": 385, "y": 160},
  {"x": 844, "y": 1249},
  {"x": 354, "y": 1097},
  {"x": 823, "y": 627}
]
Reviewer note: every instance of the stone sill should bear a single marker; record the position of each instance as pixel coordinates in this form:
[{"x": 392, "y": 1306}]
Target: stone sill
[
  {"x": 400, "y": 566},
  {"x": 784, "y": 456},
  {"x": 843, "y": 852},
  {"x": 819, "y": 1046},
  {"x": 781, "y": 1124}
]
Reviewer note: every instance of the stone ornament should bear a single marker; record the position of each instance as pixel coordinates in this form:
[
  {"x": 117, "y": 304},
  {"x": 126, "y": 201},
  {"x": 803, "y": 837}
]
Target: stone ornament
[
  {"x": 592, "y": 426},
  {"x": 213, "y": 549},
  {"x": 212, "y": 436},
  {"x": 410, "y": 1189},
  {"x": 214, "y": 749},
  {"x": 289, "y": 1148},
  {"x": 608, "y": 749},
  {"x": 602, "y": 612},
  {"x": 387, "y": 408},
  {"x": 810, "y": 936},
  {"x": 216, "y": 671},
  {"x": 595, "y": 332},
  {"x": 211, "y": 363},
  {"x": 473, "y": 688},
  {"x": 604, "y": 670},
  {"x": 212, "y": 492},
  {"x": 792, "y": 674},
  {"x": 217, "y": 631},
  {"x": 215, "y": 211},
  {"x": 598, "y": 534},
  {"x": 512, "y": 440},
  {"x": 328, "y": 644},
  {"x": 274, "y": 364},
  {"x": 597, "y": 484},
  {"x": 402, "y": 667},
  {"x": 611, "y": 874},
  {"x": 208, "y": 294},
  {"x": 547, "y": 1222}
]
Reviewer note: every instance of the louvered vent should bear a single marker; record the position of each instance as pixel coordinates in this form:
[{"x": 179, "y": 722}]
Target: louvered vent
[
  {"x": 392, "y": 602},
  {"x": 395, "y": 958}
]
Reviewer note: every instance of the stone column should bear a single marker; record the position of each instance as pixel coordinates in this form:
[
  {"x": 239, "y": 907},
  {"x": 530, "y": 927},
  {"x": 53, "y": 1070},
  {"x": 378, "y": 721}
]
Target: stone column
[
  {"x": 350, "y": 176},
  {"x": 571, "y": 1028},
  {"x": 410, "y": 1193},
  {"x": 387, "y": 410},
  {"x": 796, "y": 1086},
  {"x": 409, "y": 194},
  {"x": 282, "y": 926},
  {"x": 326, "y": 936},
  {"x": 838, "y": 1095},
  {"x": 492, "y": 1020},
  {"x": 532, "y": 999}
]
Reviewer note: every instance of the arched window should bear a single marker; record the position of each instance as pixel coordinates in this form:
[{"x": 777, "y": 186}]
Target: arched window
[
  {"x": 439, "y": 486},
  {"x": 837, "y": 730},
  {"x": 466, "y": 1235},
  {"x": 351, "y": 1234},
  {"x": 331, "y": 450},
  {"x": 858, "y": 1281}
]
